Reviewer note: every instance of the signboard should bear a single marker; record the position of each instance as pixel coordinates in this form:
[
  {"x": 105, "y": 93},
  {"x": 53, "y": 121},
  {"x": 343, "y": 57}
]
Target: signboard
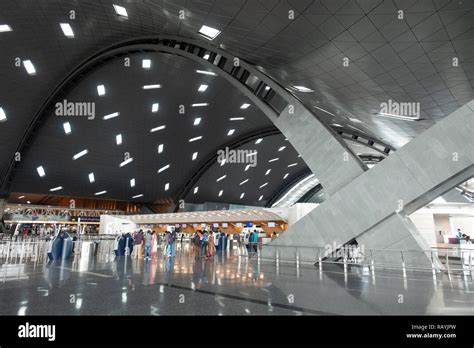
[
  {"x": 185, "y": 225},
  {"x": 195, "y": 225},
  {"x": 216, "y": 225},
  {"x": 203, "y": 225},
  {"x": 86, "y": 218},
  {"x": 225, "y": 224},
  {"x": 177, "y": 225},
  {"x": 238, "y": 224},
  {"x": 271, "y": 224}
]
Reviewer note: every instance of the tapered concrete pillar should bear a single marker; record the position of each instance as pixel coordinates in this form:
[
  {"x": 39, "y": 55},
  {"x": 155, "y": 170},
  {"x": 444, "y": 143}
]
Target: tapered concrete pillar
[{"x": 373, "y": 207}]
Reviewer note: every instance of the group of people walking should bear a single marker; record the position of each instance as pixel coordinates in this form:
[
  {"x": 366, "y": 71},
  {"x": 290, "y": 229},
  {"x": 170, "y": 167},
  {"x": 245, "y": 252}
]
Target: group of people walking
[
  {"x": 148, "y": 243},
  {"x": 207, "y": 243}
]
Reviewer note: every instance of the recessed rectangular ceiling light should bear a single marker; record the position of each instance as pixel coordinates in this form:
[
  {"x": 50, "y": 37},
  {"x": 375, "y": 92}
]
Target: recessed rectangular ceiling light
[
  {"x": 91, "y": 177},
  {"x": 160, "y": 148},
  {"x": 194, "y": 156},
  {"x": 237, "y": 118},
  {"x": 146, "y": 63},
  {"x": 120, "y": 11},
  {"x": 3, "y": 116},
  {"x": 41, "y": 171},
  {"x": 303, "y": 89},
  {"x": 127, "y": 161},
  {"x": 244, "y": 106},
  {"x": 132, "y": 182},
  {"x": 138, "y": 196},
  {"x": 155, "y": 107},
  {"x": 208, "y": 32},
  {"x": 230, "y": 132},
  {"x": 195, "y": 139},
  {"x": 30, "y": 68},
  {"x": 199, "y": 104},
  {"x": 80, "y": 154},
  {"x": 292, "y": 165},
  {"x": 196, "y": 189},
  {"x": 197, "y": 120},
  {"x": 202, "y": 88},
  {"x": 243, "y": 182},
  {"x": 66, "y": 126},
  {"x": 221, "y": 178},
  {"x": 242, "y": 195},
  {"x": 99, "y": 193},
  {"x": 286, "y": 175},
  {"x": 262, "y": 186},
  {"x": 273, "y": 159},
  {"x": 4, "y": 28},
  {"x": 151, "y": 86},
  {"x": 56, "y": 188},
  {"x": 205, "y": 72},
  {"x": 162, "y": 169},
  {"x": 258, "y": 141},
  {"x": 156, "y": 129},
  {"x": 167, "y": 186},
  {"x": 221, "y": 192},
  {"x": 118, "y": 139},
  {"x": 268, "y": 171},
  {"x": 100, "y": 90},
  {"x": 67, "y": 30},
  {"x": 109, "y": 116}
]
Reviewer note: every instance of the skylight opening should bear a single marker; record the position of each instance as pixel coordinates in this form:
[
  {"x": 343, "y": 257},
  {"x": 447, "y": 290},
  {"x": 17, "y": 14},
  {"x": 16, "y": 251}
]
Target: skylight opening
[
  {"x": 236, "y": 118},
  {"x": 160, "y": 148},
  {"x": 146, "y": 63},
  {"x": 221, "y": 192},
  {"x": 230, "y": 132},
  {"x": 243, "y": 182},
  {"x": 194, "y": 156},
  {"x": 5, "y": 28},
  {"x": 3, "y": 115},
  {"x": 242, "y": 195},
  {"x": 205, "y": 72},
  {"x": 245, "y": 106},
  {"x": 56, "y": 188},
  {"x": 258, "y": 141},
  {"x": 155, "y": 86},
  {"x": 209, "y": 32},
  {"x": 100, "y": 90},
  {"x": 195, "y": 139},
  {"x": 202, "y": 88},
  {"x": 67, "y": 30},
  {"x": 120, "y": 11},
  {"x": 109, "y": 116},
  {"x": 281, "y": 148},
  {"x": 286, "y": 175},
  {"x": 156, "y": 129},
  {"x": 29, "y": 67},
  {"x": 127, "y": 161},
  {"x": 100, "y": 193},
  {"x": 260, "y": 198},
  {"x": 262, "y": 186},
  {"x": 91, "y": 178},
  {"x": 221, "y": 178},
  {"x": 167, "y": 186},
  {"x": 66, "y": 126},
  {"x": 268, "y": 171},
  {"x": 138, "y": 196},
  {"x": 196, "y": 189},
  {"x": 199, "y": 105},
  {"x": 80, "y": 154},
  {"x": 162, "y": 169},
  {"x": 155, "y": 107},
  {"x": 118, "y": 139},
  {"x": 197, "y": 121},
  {"x": 273, "y": 160},
  {"x": 292, "y": 165},
  {"x": 132, "y": 182}
]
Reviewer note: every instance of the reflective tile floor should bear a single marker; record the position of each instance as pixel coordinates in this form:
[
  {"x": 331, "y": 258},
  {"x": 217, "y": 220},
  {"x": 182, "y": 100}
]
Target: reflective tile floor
[{"x": 230, "y": 284}]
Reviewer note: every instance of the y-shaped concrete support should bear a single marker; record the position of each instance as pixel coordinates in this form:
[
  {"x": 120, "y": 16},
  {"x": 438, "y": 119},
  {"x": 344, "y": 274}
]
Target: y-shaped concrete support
[{"x": 374, "y": 207}]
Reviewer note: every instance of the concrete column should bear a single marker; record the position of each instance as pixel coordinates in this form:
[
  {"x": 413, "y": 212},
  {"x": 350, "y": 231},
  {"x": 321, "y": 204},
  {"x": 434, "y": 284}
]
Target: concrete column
[{"x": 370, "y": 207}]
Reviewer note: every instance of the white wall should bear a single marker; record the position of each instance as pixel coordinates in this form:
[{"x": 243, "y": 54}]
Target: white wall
[
  {"x": 424, "y": 222},
  {"x": 110, "y": 224},
  {"x": 465, "y": 223}
]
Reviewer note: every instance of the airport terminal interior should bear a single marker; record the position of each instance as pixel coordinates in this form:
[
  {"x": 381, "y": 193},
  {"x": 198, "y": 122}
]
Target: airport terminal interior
[{"x": 235, "y": 158}]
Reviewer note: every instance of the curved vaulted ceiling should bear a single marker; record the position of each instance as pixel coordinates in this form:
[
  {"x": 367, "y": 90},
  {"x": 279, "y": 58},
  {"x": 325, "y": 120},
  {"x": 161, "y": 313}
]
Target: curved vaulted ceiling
[{"x": 403, "y": 60}]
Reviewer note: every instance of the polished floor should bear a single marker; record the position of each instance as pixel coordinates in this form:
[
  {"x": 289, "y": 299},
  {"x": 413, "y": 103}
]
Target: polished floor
[{"x": 97, "y": 283}]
